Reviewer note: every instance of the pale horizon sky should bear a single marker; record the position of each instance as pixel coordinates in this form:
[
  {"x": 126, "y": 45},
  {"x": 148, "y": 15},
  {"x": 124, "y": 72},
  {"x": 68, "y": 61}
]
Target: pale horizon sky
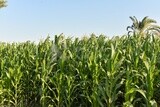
[{"x": 33, "y": 20}]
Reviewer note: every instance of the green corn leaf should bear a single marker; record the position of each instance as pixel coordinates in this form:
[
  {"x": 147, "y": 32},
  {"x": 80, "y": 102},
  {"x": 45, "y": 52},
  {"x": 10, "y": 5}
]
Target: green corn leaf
[
  {"x": 153, "y": 103},
  {"x": 112, "y": 51}
]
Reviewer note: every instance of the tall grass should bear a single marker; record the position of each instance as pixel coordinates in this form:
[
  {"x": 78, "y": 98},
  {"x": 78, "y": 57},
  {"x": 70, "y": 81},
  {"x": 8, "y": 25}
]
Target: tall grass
[{"x": 92, "y": 71}]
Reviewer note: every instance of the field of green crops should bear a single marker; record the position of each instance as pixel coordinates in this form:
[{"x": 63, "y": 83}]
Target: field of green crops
[{"x": 93, "y": 71}]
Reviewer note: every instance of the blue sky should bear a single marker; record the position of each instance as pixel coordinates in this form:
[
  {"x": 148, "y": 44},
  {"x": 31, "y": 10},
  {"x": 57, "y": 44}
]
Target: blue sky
[{"x": 33, "y": 20}]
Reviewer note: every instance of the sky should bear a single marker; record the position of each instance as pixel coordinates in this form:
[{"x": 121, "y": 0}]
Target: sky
[{"x": 33, "y": 20}]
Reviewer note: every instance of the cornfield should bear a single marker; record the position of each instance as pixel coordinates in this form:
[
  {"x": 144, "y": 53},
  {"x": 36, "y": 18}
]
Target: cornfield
[{"x": 93, "y": 71}]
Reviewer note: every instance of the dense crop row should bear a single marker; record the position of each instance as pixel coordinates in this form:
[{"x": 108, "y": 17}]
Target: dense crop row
[{"x": 87, "y": 72}]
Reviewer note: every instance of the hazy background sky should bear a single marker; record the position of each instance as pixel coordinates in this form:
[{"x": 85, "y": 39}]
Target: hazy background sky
[{"x": 33, "y": 20}]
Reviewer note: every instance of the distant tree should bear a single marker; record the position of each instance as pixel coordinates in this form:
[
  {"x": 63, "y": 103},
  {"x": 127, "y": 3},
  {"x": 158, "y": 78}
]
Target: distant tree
[
  {"x": 146, "y": 26},
  {"x": 2, "y": 3}
]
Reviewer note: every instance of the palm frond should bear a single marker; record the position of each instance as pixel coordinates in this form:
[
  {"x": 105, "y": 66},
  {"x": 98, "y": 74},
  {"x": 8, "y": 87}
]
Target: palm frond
[
  {"x": 135, "y": 21},
  {"x": 147, "y": 22},
  {"x": 129, "y": 27}
]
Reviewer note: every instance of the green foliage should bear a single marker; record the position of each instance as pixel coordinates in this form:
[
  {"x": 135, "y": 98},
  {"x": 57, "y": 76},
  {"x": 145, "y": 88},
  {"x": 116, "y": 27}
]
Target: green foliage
[
  {"x": 88, "y": 72},
  {"x": 2, "y": 3}
]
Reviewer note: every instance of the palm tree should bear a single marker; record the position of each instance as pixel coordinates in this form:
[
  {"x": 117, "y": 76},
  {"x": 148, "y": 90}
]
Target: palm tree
[
  {"x": 2, "y": 3},
  {"x": 146, "y": 26}
]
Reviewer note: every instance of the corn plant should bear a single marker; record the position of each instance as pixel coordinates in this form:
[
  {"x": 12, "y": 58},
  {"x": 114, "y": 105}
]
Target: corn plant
[{"x": 93, "y": 71}]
